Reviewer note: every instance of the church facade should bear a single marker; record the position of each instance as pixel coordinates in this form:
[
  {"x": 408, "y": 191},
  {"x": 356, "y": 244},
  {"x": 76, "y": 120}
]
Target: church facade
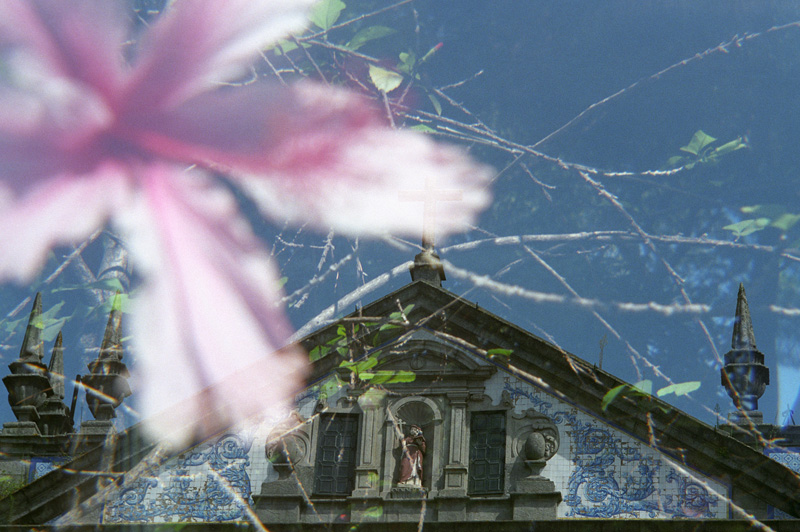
[{"x": 424, "y": 408}]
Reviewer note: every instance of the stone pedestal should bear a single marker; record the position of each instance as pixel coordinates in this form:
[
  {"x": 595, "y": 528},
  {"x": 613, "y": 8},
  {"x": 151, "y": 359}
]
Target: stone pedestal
[
  {"x": 455, "y": 481},
  {"x": 281, "y": 507},
  {"x": 95, "y": 426},
  {"x": 21, "y": 428},
  {"x": 366, "y": 483},
  {"x": 54, "y": 417},
  {"x": 751, "y": 418},
  {"x": 535, "y": 499}
]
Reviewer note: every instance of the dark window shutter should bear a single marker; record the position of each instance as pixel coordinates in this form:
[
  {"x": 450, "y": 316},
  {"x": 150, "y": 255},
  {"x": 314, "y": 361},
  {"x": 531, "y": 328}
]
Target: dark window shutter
[
  {"x": 336, "y": 455},
  {"x": 487, "y": 452}
]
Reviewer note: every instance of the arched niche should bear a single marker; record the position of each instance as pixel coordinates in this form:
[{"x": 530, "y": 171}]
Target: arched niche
[{"x": 400, "y": 415}]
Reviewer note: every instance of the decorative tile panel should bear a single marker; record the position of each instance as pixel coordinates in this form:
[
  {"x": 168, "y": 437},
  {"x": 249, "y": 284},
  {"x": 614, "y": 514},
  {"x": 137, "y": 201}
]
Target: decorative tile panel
[
  {"x": 209, "y": 483},
  {"x": 603, "y": 472},
  {"x": 39, "y": 467},
  {"x": 600, "y": 470},
  {"x": 790, "y": 457}
]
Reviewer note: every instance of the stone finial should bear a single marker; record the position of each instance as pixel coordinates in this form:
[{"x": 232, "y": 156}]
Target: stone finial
[
  {"x": 32, "y": 344},
  {"x": 27, "y": 384},
  {"x": 54, "y": 416},
  {"x": 55, "y": 371},
  {"x": 744, "y": 375},
  {"x": 107, "y": 383},
  {"x": 743, "y": 337},
  {"x": 428, "y": 267},
  {"x": 111, "y": 346}
]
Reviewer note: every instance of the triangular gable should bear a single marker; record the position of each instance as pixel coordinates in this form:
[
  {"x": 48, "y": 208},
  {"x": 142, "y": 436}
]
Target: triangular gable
[{"x": 641, "y": 446}]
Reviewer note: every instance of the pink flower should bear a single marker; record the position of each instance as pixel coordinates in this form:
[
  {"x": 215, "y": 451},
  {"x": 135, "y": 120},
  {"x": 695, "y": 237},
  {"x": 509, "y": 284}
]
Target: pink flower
[{"x": 86, "y": 137}]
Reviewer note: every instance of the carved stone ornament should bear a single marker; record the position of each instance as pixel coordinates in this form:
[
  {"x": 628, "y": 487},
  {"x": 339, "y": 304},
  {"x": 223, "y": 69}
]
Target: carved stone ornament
[
  {"x": 541, "y": 444},
  {"x": 287, "y": 445},
  {"x": 537, "y": 440}
]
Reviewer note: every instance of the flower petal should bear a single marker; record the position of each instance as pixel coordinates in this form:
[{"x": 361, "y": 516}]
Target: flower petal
[
  {"x": 381, "y": 181},
  {"x": 65, "y": 209},
  {"x": 208, "y": 310},
  {"x": 198, "y": 43},
  {"x": 317, "y": 154},
  {"x": 46, "y": 129},
  {"x": 79, "y": 39}
]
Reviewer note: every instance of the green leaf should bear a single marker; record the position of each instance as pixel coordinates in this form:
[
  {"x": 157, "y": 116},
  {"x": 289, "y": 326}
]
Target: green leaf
[
  {"x": 118, "y": 301},
  {"x": 644, "y": 386},
  {"x": 611, "y": 395},
  {"x": 728, "y": 147},
  {"x": 372, "y": 397},
  {"x": 699, "y": 141},
  {"x": 786, "y": 221},
  {"x": 403, "y": 376},
  {"x": 326, "y": 13},
  {"x": 747, "y": 227},
  {"x": 368, "y": 34},
  {"x": 423, "y": 128},
  {"x": 369, "y": 363},
  {"x": 436, "y": 105},
  {"x": 112, "y": 284},
  {"x": 769, "y": 210},
  {"x": 385, "y": 80},
  {"x": 284, "y": 46},
  {"x": 373, "y": 512},
  {"x": 407, "y": 61},
  {"x": 49, "y": 323},
  {"x": 679, "y": 389},
  {"x": 318, "y": 352},
  {"x": 330, "y": 387}
]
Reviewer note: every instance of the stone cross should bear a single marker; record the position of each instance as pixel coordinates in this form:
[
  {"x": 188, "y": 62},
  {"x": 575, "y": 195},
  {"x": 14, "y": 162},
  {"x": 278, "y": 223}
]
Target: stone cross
[{"x": 429, "y": 196}]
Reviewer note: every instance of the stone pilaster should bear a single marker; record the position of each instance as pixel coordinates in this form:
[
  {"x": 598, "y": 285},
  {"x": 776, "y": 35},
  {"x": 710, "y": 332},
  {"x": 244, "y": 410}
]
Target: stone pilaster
[
  {"x": 367, "y": 482},
  {"x": 455, "y": 471}
]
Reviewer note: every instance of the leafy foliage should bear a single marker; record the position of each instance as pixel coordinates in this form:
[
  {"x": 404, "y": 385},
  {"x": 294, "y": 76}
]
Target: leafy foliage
[
  {"x": 775, "y": 216},
  {"x": 701, "y": 152}
]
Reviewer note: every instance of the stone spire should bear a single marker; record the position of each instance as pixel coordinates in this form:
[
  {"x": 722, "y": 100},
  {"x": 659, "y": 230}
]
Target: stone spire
[
  {"x": 55, "y": 371},
  {"x": 107, "y": 385},
  {"x": 743, "y": 337},
  {"x": 54, "y": 415},
  {"x": 27, "y": 384},
  {"x": 32, "y": 344},
  {"x": 111, "y": 346},
  {"x": 744, "y": 376}
]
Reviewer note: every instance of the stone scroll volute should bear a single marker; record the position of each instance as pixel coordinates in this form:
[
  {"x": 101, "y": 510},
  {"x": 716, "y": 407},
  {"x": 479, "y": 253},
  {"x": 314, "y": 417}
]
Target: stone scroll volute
[
  {"x": 287, "y": 444},
  {"x": 536, "y": 439}
]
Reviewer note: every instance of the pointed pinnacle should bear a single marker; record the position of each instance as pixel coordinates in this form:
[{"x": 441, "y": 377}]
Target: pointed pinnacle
[
  {"x": 112, "y": 338},
  {"x": 33, "y": 345},
  {"x": 55, "y": 371},
  {"x": 743, "y": 337}
]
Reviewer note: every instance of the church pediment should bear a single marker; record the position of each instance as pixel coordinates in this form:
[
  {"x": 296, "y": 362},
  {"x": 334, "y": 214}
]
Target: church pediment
[
  {"x": 433, "y": 359},
  {"x": 469, "y": 437}
]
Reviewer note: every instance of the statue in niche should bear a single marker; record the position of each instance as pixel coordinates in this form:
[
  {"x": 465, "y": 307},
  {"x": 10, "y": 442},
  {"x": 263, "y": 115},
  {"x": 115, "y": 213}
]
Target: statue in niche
[{"x": 413, "y": 453}]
